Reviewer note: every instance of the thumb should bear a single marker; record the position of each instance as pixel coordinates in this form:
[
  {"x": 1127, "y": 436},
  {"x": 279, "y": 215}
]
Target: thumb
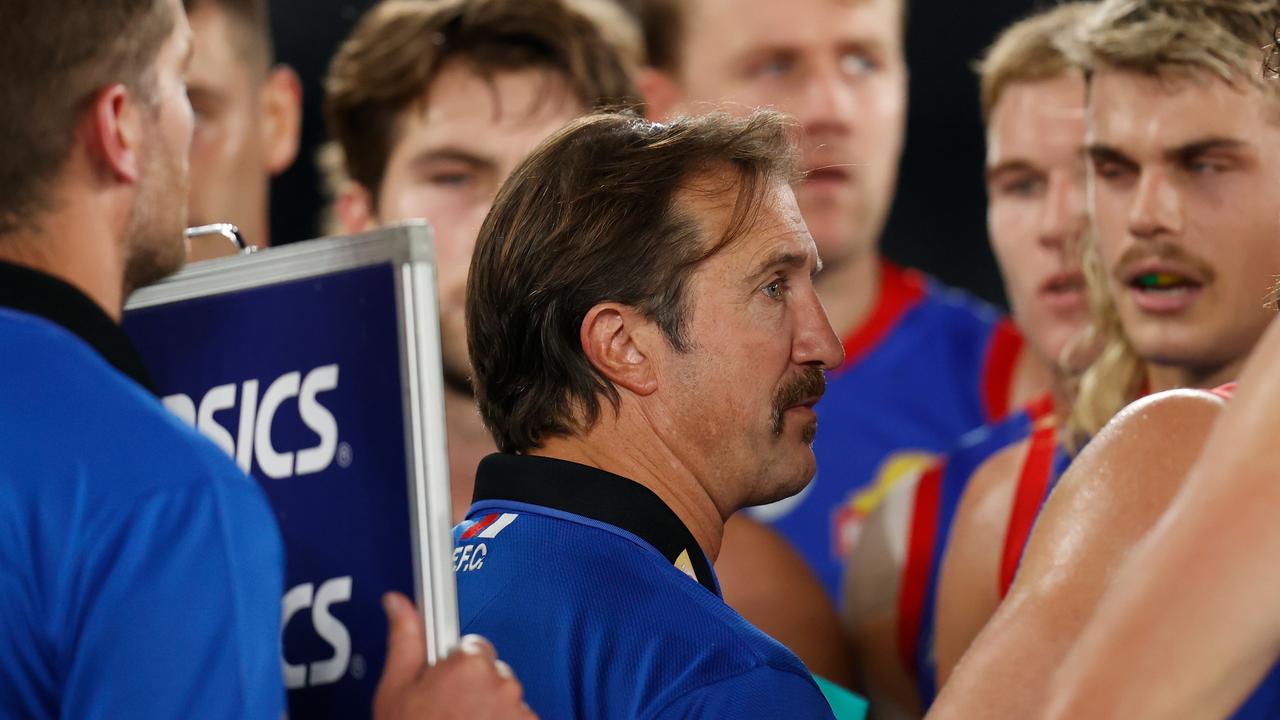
[{"x": 406, "y": 643}]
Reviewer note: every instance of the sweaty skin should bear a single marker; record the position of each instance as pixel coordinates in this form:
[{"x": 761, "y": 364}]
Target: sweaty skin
[
  {"x": 1163, "y": 156},
  {"x": 1155, "y": 650},
  {"x": 1105, "y": 503},
  {"x": 968, "y": 584}
]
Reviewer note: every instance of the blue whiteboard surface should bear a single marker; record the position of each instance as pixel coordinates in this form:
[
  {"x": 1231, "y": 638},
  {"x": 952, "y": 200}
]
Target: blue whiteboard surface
[{"x": 300, "y": 382}]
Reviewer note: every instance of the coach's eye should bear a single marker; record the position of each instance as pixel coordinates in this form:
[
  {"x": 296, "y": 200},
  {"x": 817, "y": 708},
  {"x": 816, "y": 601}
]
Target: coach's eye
[{"x": 775, "y": 290}]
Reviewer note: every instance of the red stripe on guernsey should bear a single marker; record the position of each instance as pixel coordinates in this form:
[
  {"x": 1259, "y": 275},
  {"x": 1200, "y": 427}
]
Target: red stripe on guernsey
[
  {"x": 915, "y": 574},
  {"x": 1032, "y": 484},
  {"x": 900, "y": 290},
  {"x": 997, "y": 372},
  {"x": 1040, "y": 408},
  {"x": 480, "y": 525},
  {"x": 1225, "y": 391}
]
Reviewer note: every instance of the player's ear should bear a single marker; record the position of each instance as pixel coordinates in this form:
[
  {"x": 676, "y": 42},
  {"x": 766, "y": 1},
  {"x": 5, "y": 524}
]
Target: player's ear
[
  {"x": 354, "y": 208},
  {"x": 112, "y": 132},
  {"x": 282, "y": 118},
  {"x": 661, "y": 93},
  {"x": 615, "y": 338}
]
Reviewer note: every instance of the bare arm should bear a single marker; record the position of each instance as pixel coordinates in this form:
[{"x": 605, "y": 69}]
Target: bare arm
[
  {"x": 872, "y": 581},
  {"x": 770, "y": 584},
  {"x": 1193, "y": 619},
  {"x": 968, "y": 587},
  {"x": 1109, "y": 498}
]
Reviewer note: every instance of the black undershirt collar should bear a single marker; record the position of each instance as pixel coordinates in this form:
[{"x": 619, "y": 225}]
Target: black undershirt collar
[
  {"x": 35, "y": 293},
  {"x": 596, "y": 494}
]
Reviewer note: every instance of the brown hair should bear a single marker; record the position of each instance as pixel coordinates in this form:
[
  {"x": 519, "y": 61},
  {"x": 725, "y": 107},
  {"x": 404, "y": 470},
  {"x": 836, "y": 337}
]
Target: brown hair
[
  {"x": 1029, "y": 50},
  {"x": 253, "y": 20},
  {"x": 57, "y": 55},
  {"x": 595, "y": 215},
  {"x": 663, "y": 22},
  {"x": 398, "y": 48}
]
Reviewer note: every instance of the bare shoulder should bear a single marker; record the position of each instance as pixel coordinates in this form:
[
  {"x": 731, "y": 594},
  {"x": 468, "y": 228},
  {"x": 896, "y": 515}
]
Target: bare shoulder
[
  {"x": 1120, "y": 484},
  {"x": 970, "y": 572},
  {"x": 1150, "y": 444},
  {"x": 988, "y": 496},
  {"x": 982, "y": 518}
]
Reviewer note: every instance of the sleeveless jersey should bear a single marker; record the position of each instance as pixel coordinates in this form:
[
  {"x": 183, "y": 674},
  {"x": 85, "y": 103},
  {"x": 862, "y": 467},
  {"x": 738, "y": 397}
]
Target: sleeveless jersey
[
  {"x": 937, "y": 497},
  {"x": 929, "y": 365},
  {"x": 1045, "y": 463}
]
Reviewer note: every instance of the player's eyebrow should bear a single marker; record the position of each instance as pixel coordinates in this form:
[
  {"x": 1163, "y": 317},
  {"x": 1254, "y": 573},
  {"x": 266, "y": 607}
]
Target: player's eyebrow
[
  {"x": 1006, "y": 167},
  {"x": 1196, "y": 148},
  {"x": 1099, "y": 152}
]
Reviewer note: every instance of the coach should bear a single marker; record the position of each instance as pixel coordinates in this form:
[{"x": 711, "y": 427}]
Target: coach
[{"x": 647, "y": 347}]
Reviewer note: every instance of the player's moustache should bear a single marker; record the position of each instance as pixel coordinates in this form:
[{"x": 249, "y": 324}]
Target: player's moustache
[
  {"x": 810, "y": 384},
  {"x": 1169, "y": 252}
]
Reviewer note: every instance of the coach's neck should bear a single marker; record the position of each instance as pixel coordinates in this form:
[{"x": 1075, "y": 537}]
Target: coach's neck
[{"x": 624, "y": 445}]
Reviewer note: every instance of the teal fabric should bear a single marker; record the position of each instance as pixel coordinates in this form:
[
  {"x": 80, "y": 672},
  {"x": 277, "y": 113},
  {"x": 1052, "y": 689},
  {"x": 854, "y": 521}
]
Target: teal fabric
[{"x": 845, "y": 705}]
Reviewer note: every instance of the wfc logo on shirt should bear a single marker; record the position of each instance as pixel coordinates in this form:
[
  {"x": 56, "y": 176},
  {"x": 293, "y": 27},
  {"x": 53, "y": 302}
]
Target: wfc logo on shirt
[
  {"x": 249, "y": 437},
  {"x": 470, "y": 556}
]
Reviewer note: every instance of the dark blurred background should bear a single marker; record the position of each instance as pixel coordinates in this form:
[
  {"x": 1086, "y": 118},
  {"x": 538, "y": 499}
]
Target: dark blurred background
[{"x": 938, "y": 221}]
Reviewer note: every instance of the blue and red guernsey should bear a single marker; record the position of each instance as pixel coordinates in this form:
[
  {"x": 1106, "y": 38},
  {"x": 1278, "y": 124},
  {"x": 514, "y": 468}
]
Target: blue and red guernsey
[
  {"x": 1044, "y": 464},
  {"x": 937, "y": 497},
  {"x": 929, "y": 365},
  {"x": 604, "y": 605}
]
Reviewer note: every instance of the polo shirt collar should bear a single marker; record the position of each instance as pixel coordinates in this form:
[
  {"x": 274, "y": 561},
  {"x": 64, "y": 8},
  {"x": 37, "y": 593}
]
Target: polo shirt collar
[
  {"x": 35, "y": 293},
  {"x": 599, "y": 495}
]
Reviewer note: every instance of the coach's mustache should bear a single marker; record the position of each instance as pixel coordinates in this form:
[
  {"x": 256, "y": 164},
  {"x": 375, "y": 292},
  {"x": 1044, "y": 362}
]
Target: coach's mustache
[{"x": 807, "y": 387}]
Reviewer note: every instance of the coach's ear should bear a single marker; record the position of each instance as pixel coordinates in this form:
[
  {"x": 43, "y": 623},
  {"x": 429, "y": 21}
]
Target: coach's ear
[{"x": 615, "y": 338}]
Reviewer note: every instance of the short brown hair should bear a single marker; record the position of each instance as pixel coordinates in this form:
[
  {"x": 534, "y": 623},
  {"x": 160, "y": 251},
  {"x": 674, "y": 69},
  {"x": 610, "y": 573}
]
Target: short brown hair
[
  {"x": 253, "y": 19},
  {"x": 663, "y": 22},
  {"x": 1030, "y": 50},
  {"x": 57, "y": 55},
  {"x": 1226, "y": 38},
  {"x": 595, "y": 215},
  {"x": 398, "y": 48}
]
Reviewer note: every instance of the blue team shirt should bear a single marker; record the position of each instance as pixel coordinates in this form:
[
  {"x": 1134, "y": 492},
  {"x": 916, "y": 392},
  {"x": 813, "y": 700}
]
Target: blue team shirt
[
  {"x": 140, "y": 571},
  {"x": 605, "y": 607},
  {"x": 929, "y": 365}
]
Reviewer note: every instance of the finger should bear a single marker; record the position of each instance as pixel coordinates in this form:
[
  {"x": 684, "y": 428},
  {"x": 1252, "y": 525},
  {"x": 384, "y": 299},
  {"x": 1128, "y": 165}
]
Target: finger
[
  {"x": 406, "y": 643},
  {"x": 476, "y": 645}
]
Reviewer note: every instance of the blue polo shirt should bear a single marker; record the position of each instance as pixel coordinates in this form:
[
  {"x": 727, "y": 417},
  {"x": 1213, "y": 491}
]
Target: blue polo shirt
[
  {"x": 604, "y": 605},
  {"x": 140, "y": 570}
]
